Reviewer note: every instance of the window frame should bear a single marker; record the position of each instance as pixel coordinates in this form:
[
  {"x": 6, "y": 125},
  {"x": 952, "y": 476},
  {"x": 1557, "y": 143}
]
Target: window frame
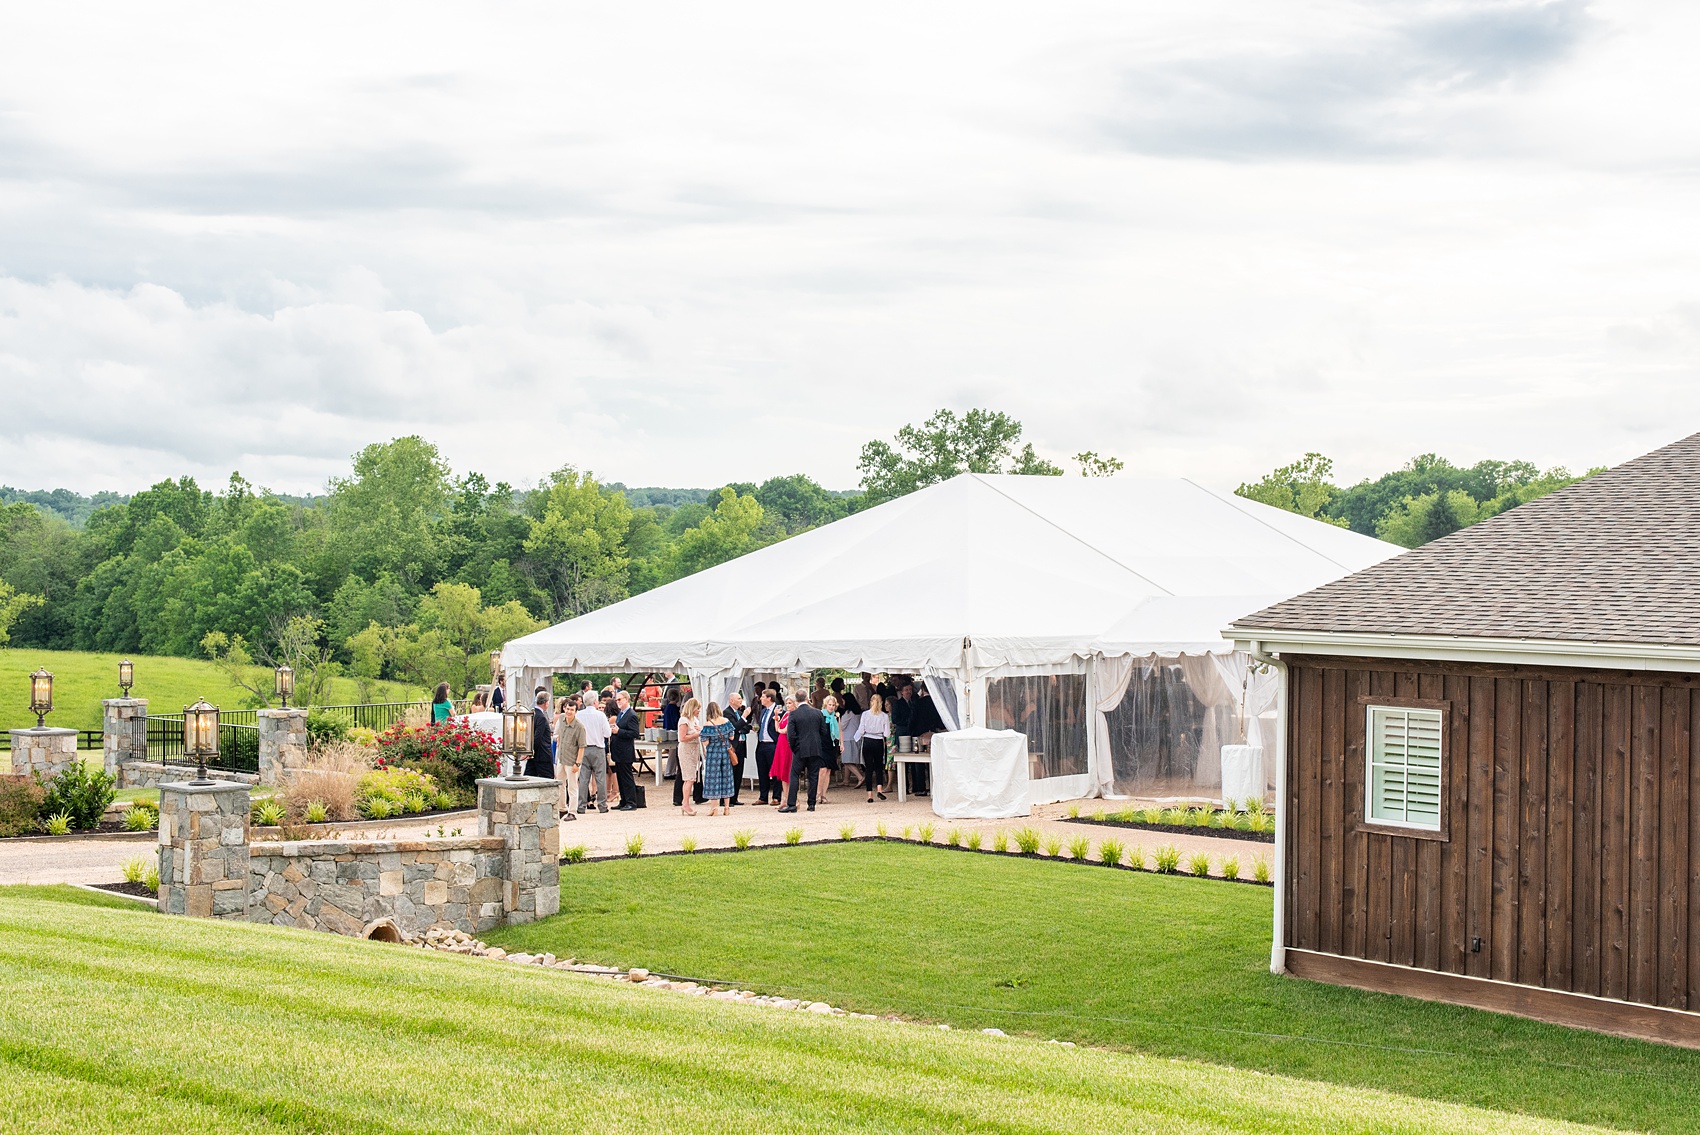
[{"x": 1396, "y": 827}]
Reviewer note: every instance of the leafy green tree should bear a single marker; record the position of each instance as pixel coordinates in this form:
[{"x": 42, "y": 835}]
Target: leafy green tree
[
  {"x": 945, "y": 445},
  {"x": 384, "y": 517},
  {"x": 1091, "y": 465},
  {"x": 1415, "y": 521},
  {"x": 578, "y": 547},
  {"x": 795, "y": 503},
  {"x": 13, "y": 603},
  {"x": 450, "y": 642},
  {"x": 724, "y": 534},
  {"x": 1303, "y": 487}
]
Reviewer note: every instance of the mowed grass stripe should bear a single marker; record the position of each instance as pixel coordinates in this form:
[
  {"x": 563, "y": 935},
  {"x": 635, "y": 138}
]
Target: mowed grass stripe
[
  {"x": 1163, "y": 964},
  {"x": 251, "y": 1028}
]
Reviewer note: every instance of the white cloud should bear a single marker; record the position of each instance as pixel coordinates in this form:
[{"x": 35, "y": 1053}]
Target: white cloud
[{"x": 687, "y": 245}]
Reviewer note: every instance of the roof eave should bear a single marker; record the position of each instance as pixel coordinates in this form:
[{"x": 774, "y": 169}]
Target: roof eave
[{"x": 1468, "y": 648}]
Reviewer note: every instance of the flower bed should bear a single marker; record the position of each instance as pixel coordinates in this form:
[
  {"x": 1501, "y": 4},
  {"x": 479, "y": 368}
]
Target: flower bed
[{"x": 1178, "y": 829}]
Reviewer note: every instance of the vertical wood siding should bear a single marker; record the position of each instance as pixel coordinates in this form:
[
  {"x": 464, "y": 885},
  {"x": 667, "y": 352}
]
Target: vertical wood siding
[{"x": 1572, "y": 829}]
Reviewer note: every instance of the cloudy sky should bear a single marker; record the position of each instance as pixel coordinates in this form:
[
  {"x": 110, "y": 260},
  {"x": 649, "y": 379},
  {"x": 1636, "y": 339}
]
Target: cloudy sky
[{"x": 683, "y": 243}]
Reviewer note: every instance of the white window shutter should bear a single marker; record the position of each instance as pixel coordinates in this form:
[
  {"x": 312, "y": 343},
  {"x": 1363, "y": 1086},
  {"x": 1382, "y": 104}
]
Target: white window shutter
[{"x": 1404, "y": 766}]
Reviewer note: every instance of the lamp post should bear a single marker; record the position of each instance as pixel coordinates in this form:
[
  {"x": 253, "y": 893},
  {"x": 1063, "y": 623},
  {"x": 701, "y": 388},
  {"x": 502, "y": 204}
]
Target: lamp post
[
  {"x": 285, "y": 683},
  {"x": 200, "y": 737},
  {"x": 516, "y": 738},
  {"x": 126, "y": 676},
  {"x": 41, "y": 696}
]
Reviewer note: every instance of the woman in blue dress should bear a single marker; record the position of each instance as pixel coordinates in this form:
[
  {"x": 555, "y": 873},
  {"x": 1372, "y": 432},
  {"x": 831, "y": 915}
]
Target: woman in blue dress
[{"x": 718, "y": 779}]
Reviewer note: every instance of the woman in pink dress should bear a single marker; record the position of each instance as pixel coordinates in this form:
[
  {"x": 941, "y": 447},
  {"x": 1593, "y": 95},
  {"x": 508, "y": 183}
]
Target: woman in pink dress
[{"x": 782, "y": 748}]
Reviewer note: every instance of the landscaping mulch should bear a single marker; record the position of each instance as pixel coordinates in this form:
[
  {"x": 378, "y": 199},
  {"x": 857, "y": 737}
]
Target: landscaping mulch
[
  {"x": 1178, "y": 829},
  {"x": 139, "y": 890}
]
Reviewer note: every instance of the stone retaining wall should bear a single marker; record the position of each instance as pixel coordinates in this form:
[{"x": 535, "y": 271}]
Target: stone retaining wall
[
  {"x": 152, "y": 774},
  {"x": 343, "y": 887}
]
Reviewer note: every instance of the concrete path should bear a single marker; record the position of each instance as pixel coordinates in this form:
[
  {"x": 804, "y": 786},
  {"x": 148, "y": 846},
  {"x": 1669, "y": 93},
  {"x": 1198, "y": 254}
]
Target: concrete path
[{"x": 662, "y": 828}]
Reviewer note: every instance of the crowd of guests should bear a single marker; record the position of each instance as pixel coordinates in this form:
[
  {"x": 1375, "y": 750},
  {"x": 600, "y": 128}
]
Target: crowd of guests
[{"x": 796, "y": 738}]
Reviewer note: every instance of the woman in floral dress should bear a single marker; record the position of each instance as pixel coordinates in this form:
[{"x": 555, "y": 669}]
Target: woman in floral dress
[{"x": 718, "y": 779}]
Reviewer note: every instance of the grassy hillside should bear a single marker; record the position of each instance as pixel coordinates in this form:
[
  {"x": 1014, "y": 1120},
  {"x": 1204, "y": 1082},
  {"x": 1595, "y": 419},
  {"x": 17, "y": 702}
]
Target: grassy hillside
[
  {"x": 81, "y": 680},
  {"x": 123, "y": 1021},
  {"x": 1168, "y": 965}
]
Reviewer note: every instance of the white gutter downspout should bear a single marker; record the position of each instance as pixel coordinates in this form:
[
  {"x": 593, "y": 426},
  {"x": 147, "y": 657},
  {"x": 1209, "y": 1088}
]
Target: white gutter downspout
[{"x": 1277, "y": 944}]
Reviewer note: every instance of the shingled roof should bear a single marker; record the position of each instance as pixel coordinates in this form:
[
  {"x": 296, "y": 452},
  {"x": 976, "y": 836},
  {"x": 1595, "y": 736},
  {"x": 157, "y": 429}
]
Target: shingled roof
[{"x": 1614, "y": 558}]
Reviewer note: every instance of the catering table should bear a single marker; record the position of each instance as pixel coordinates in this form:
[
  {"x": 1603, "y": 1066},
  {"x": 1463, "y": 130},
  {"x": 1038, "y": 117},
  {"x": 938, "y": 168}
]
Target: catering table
[
  {"x": 899, "y": 760},
  {"x": 650, "y": 754}
]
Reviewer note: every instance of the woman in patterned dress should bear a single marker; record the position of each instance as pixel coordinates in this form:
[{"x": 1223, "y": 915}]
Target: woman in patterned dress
[{"x": 718, "y": 780}]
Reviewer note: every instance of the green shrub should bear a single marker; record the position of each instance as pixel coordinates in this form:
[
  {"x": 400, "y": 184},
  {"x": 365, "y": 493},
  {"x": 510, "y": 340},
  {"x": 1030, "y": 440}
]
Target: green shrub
[
  {"x": 880, "y": 829},
  {"x": 1125, "y": 816},
  {"x": 445, "y": 800},
  {"x": 399, "y": 790},
  {"x": 317, "y": 813},
  {"x": 472, "y": 753},
  {"x": 1152, "y": 815},
  {"x": 1136, "y": 857},
  {"x": 323, "y": 728},
  {"x": 847, "y": 832},
  {"x": 1053, "y": 845},
  {"x": 924, "y": 832},
  {"x": 1199, "y": 863},
  {"x": 1074, "y": 811},
  {"x": 793, "y": 836},
  {"x": 689, "y": 843},
  {"x": 418, "y": 802},
  {"x": 140, "y": 819},
  {"x": 1027, "y": 840},
  {"x": 1199, "y": 817},
  {"x": 375, "y": 808},
  {"x": 81, "y": 794},
  {"x": 634, "y": 845},
  {"x": 742, "y": 838},
  {"x": 1110, "y": 851},
  {"x": 1260, "y": 869},
  {"x": 266, "y": 813},
  {"x": 1078, "y": 848},
  {"x": 574, "y": 854},
  {"x": 1000, "y": 840},
  {"x": 1231, "y": 867},
  {"x": 973, "y": 841},
  {"x": 1229, "y": 804},
  {"x": 1175, "y": 817},
  {"x": 1221, "y": 819},
  {"x": 1098, "y": 815},
  {"x": 135, "y": 869},
  {"x": 906, "y": 830},
  {"x": 21, "y": 799},
  {"x": 150, "y": 880},
  {"x": 953, "y": 837},
  {"x": 1168, "y": 859},
  {"x": 58, "y": 824}
]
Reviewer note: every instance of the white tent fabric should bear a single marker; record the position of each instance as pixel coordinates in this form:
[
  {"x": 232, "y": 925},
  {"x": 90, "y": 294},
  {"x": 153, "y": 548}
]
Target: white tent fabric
[
  {"x": 967, "y": 580},
  {"x": 980, "y": 774}
]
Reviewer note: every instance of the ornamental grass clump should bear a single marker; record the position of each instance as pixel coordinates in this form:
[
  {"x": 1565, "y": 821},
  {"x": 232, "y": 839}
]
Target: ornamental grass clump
[
  {"x": 575, "y": 854},
  {"x": 906, "y": 830},
  {"x": 57, "y": 824},
  {"x": 1175, "y": 817},
  {"x": 1136, "y": 857},
  {"x": 402, "y": 790},
  {"x": 1074, "y": 811},
  {"x": 953, "y": 837},
  {"x": 1199, "y": 863},
  {"x": 689, "y": 843},
  {"x": 1231, "y": 867},
  {"x": 150, "y": 878},
  {"x": 1079, "y": 847},
  {"x": 316, "y": 812},
  {"x": 330, "y": 776},
  {"x": 140, "y": 818},
  {"x": 1152, "y": 815},
  {"x": 1260, "y": 821},
  {"x": 793, "y": 836},
  {"x": 973, "y": 841},
  {"x": 1168, "y": 859},
  {"x": 924, "y": 832},
  {"x": 267, "y": 814},
  {"x": 881, "y": 830},
  {"x": 742, "y": 838},
  {"x": 1260, "y": 869},
  {"x": 1110, "y": 852},
  {"x": 1000, "y": 840},
  {"x": 1027, "y": 840},
  {"x": 135, "y": 869},
  {"x": 847, "y": 832},
  {"x": 634, "y": 845},
  {"x": 1053, "y": 846},
  {"x": 1199, "y": 817}
]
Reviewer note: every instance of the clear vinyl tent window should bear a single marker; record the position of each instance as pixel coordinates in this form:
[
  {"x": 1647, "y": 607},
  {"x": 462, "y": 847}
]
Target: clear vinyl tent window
[
  {"x": 1051, "y": 710},
  {"x": 1403, "y": 784}
]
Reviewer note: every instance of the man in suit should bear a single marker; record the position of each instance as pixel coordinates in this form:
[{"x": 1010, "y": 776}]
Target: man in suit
[
  {"x": 764, "y": 718},
  {"x": 811, "y": 744},
  {"x": 542, "y": 759},
  {"x": 622, "y": 752}
]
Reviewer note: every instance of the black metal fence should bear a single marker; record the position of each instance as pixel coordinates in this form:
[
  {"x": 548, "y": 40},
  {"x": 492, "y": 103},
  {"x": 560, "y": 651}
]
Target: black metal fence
[
  {"x": 238, "y": 744},
  {"x": 375, "y": 716}
]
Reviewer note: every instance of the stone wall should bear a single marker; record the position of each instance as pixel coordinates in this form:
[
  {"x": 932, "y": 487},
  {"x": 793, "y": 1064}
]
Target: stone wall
[
  {"x": 152, "y": 774},
  {"x": 509, "y": 872},
  {"x": 283, "y": 743},
  {"x": 343, "y": 887},
  {"x": 124, "y": 724},
  {"x": 47, "y": 751}
]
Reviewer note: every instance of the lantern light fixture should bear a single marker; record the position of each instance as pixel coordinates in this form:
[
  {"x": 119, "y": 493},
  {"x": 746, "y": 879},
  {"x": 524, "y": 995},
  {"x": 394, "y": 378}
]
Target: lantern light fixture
[
  {"x": 516, "y": 739},
  {"x": 200, "y": 737},
  {"x": 285, "y": 684},
  {"x": 126, "y": 676},
  {"x": 41, "y": 696}
]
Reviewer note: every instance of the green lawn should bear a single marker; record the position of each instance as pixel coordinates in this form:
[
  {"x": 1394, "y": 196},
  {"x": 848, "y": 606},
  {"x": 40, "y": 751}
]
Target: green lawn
[
  {"x": 81, "y": 680},
  {"x": 125, "y": 1021},
  {"x": 1163, "y": 964}
]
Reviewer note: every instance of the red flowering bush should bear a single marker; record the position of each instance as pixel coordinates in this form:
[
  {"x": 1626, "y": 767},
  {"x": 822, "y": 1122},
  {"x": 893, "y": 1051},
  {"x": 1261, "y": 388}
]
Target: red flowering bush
[{"x": 448, "y": 747}]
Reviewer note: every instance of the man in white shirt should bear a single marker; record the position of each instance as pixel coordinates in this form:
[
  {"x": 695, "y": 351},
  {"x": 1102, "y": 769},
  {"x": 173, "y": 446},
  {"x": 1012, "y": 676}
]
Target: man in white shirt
[{"x": 594, "y": 763}]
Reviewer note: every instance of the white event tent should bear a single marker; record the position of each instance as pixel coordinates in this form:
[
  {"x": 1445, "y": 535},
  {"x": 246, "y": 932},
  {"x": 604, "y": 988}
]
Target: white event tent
[{"x": 1083, "y": 612}]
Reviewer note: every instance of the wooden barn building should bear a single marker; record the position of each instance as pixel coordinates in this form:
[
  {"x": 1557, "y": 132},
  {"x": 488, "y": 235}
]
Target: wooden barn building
[{"x": 1489, "y": 783}]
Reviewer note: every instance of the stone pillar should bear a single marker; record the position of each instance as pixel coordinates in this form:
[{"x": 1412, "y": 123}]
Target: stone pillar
[
  {"x": 523, "y": 813},
  {"x": 283, "y": 742},
  {"x": 48, "y": 751},
  {"x": 203, "y": 849},
  {"x": 124, "y": 729}
]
